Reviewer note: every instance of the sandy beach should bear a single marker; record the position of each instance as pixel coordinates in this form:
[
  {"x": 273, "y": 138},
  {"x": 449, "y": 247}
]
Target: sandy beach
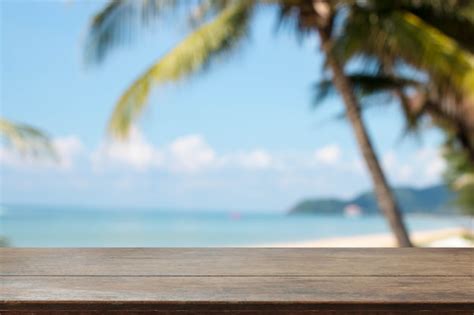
[{"x": 449, "y": 237}]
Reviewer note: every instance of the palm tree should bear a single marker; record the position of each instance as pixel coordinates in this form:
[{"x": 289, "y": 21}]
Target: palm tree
[
  {"x": 433, "y": 40},
  {"x": 440, "y": 49},
  {"x": 324, "y": 23},
  {"x": 26, "y": 139},
  {"x": 228, "y": 25}
]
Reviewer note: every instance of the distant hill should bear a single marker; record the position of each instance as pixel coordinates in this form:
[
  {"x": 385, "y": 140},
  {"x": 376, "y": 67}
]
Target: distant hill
[{"x": 430, "y": 200}]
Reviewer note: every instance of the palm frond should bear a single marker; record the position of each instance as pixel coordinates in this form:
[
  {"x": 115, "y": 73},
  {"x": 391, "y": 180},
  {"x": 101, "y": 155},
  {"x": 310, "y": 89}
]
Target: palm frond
[
  {"x": 119, "y": 21},
  {"x": 26, "y": 139},
  {"x": 365, "y": 85},
  {"x": 378, "y": 89},
  {"x": 194, "y": 53},
  {"x": 403, "y": 35},
  {"x": 454, "y": 18},
  {"x": 115, "y": 24}
]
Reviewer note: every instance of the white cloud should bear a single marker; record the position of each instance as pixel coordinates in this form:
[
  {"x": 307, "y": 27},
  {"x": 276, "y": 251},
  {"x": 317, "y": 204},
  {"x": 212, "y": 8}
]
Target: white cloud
[
  {"x": 435, "y": 168},
  {"x": 186, "y": 154},
  {"x": 425, "y": 167},
  {"x": 190, "y": 154},
  {"x": 135, "y": 152},
  {"x": 67, "y": 149},
  {"x": 396, "y": 170},
  {"x": 432, "y": 162},
  {"x": 9, "y": 157},
  {"x": 406, "y": 173},
  {"x": 256, "y": 159},
  {"x": 329, "y": 154}
]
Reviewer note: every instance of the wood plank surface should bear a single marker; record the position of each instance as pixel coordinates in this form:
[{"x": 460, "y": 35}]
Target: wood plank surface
[
  {"x": 238, "y": 261},
  {"x": 237, "y": 281},
  {"x": 435, "y": 290}
]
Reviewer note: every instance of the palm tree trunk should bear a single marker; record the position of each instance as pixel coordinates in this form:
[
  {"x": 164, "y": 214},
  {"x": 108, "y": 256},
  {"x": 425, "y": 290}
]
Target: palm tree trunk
[{"x": 385, "y": 198}]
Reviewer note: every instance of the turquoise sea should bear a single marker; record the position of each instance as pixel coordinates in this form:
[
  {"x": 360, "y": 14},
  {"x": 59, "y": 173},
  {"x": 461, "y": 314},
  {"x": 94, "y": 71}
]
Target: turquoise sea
[{"x": 35, "y": 226}]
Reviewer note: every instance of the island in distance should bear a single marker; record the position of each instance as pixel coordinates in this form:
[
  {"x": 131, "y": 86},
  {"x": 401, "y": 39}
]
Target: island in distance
[{"x": 430, "y": 200}]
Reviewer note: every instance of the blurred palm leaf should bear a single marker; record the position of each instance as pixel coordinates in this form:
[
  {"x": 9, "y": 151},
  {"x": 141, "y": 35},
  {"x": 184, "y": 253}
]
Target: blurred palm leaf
[
  {"x": 26, "y": 139},
  {"x": 432, "y": 37},
  {"x": 365, "y": 85},
  {"x": 414, "y": 32},
  {"x": 194, "y": 53},
  {"x": 455, "y": 18},
  {"x": 401, "y": 35},
  {"x": 119, "y": 20},
  {"x": 370, "y": 87},
  {"x": 116, "y": 23},
  {"x": 459, "y": 174}
]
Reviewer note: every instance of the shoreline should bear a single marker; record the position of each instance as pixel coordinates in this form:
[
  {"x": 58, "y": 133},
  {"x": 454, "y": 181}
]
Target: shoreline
[{"x": 446, "y": 237}]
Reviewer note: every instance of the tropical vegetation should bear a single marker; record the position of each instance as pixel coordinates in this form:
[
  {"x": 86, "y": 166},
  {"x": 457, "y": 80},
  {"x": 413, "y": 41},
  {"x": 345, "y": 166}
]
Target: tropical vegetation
[
  {"x": 416, "y": 49},
  {"x": 460, "y": 175},
  {"x": 421, "y": 53}
]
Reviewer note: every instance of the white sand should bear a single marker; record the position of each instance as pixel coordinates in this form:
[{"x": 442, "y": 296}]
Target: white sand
[{"x": 450, "y": 237}]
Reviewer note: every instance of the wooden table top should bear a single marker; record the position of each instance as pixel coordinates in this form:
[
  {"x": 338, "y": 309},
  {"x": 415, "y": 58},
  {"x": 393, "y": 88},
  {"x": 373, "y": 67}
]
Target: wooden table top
[{"x": 238, "y": 280}]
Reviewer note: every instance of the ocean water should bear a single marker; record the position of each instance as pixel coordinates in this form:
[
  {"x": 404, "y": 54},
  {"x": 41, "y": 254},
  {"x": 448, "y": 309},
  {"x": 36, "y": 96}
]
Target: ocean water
[{"x": 32, "y": 226}]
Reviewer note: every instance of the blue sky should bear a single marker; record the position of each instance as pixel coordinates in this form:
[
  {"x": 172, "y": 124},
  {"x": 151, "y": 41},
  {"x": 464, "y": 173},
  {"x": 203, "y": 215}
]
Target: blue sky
[{"x": 243, "y": 135}]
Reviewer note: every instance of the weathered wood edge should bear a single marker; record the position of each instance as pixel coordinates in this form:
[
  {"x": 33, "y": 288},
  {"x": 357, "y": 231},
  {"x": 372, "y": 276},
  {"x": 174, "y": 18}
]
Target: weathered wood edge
[
  {"x": 204, "y": 306},
  {"x": 234, "y": 306}
]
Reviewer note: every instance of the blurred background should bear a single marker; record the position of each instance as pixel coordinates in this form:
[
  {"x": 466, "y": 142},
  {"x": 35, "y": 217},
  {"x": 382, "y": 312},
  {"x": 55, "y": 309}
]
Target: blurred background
[{"x": 236, "y": 123}]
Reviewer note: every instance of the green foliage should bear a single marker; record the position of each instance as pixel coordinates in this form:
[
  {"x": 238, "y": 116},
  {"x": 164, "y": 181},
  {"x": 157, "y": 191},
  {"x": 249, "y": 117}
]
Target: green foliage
[
  {"x": 455, "y": 18},
  {"x": 397, "y": 34},
  {"x": 460, "y": 175},
  {"x": 365, "y": 85},
  {"x": 433, "y": 38},
  {"x": 26, "y": 139}
]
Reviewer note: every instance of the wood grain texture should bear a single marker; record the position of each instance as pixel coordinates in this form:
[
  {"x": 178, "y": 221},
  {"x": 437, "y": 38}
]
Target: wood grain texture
[
  {"x": 238, "y": 262},
  {"x": 237, "y": 281},
  {"x": 427, "y": 290}
]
